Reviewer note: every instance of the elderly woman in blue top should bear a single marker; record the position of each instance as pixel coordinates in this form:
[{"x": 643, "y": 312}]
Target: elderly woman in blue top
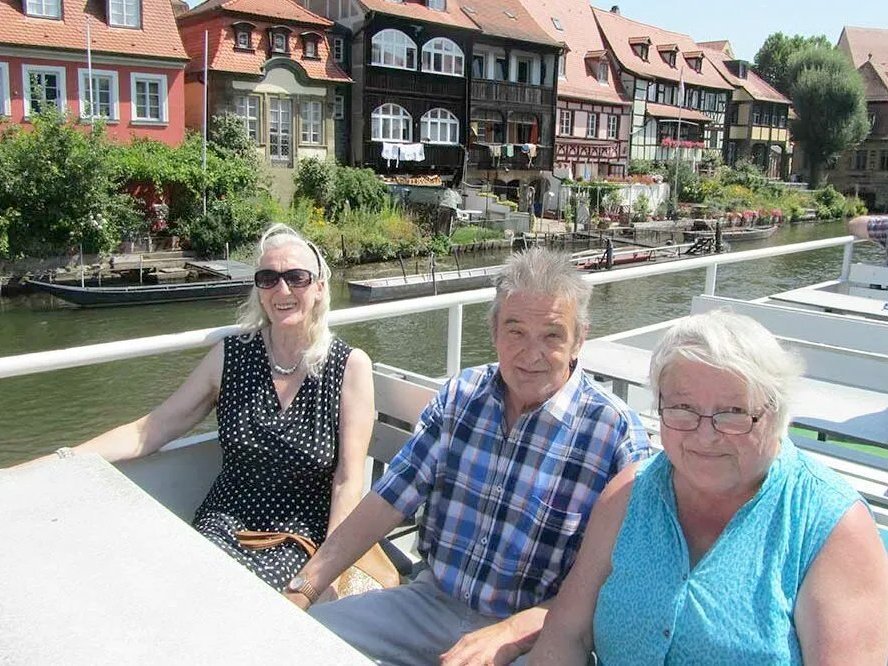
[
  {"x": 507, "y": 462},
  {"x": 731, "y": 546}
]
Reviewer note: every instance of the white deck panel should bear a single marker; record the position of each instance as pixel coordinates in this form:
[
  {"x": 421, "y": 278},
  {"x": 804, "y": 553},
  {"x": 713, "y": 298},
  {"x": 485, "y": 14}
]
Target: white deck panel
[
  {"x": 95, "y": 571},
  {"x": 833, "y": 302}
]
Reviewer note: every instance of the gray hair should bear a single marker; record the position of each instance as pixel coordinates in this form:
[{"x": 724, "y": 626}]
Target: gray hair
[
  {"x": 740, "y": 345},
  {"x": 542, "y": 271},
  {"x": 252, "y": 315}
]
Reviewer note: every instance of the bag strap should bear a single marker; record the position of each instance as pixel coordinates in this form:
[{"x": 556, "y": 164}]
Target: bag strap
[{"x": 255, "y": 540}]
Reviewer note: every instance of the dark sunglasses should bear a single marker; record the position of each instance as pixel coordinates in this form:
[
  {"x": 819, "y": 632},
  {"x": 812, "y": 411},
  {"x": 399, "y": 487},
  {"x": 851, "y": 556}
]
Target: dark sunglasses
[{"x": 296, "y": 278}]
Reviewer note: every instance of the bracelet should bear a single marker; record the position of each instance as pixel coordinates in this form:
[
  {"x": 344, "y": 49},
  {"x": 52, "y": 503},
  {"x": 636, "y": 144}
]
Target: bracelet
[{"x": 65, "y": 452}]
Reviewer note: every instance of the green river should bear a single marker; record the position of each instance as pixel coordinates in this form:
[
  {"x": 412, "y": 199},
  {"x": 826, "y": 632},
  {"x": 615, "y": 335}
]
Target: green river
[{"x": 39, "y": 413}]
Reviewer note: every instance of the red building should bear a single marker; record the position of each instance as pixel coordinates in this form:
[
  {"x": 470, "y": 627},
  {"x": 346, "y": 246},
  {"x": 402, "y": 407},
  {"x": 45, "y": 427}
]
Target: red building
[{"x": 137, "y": 64}]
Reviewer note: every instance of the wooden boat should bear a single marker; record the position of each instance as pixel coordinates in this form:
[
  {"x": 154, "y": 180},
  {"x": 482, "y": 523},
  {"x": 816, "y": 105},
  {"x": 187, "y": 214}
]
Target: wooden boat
[
  {"x": 96, "y": 297},
  {"x": 734, "y": 235},
  {"x": 421, "y": 284}
]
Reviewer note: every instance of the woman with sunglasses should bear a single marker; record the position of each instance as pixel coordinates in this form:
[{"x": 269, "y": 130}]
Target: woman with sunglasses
[
  {"x": 731, "y": 546},
  {"x": 295, "y": 411}
]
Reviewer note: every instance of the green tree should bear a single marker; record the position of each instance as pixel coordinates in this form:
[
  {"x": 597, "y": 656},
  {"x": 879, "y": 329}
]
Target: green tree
[
  {"x": 59, "y": 188},
  {"x": 828, "y": 97},
  {"x": 772, "y": 59}
]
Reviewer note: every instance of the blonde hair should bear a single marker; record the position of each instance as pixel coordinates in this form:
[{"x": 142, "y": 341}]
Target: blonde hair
[
  {"x": 252, "y": 315},
  {"x": 740, "y": 345}
]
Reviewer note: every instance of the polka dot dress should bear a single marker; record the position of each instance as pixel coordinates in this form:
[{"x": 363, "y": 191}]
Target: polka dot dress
[{"x": 277, "y": 466}]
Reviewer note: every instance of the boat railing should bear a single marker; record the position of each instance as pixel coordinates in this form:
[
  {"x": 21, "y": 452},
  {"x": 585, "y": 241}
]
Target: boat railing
[{"x": 32, "y": 363}]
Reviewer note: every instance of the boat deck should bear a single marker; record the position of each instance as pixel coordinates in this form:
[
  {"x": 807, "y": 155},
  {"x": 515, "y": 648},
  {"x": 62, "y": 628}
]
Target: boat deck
[{"x": 224, "y": 268}]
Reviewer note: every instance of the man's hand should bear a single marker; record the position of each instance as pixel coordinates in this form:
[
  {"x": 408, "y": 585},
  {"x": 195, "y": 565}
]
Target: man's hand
[{"x": 496, "y": 645}]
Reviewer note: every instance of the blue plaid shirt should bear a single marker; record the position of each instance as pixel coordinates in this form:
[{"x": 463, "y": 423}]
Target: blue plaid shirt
[{"x": 505, "y": 512}]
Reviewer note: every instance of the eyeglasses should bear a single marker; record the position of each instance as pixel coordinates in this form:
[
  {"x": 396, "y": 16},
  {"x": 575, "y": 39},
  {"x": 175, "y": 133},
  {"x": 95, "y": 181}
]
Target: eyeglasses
[
  {"x": 727, "y": 423},
  {"x": 296, "y": 278}
]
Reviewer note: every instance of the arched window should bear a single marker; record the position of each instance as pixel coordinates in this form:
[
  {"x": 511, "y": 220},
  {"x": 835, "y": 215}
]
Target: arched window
[
  {"x": 443, "y": 56},
  {"x": 392, "y": 48},
  {"x": 391, "y": 122},
  {"x": 439, "y": 126}
]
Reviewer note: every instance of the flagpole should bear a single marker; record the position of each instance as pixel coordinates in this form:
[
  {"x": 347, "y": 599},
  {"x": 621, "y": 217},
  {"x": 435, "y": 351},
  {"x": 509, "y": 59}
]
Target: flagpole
[
  {"x": 681, "y": 101},
  {"x": 89, "y": 72},
  {"x": 204, "y": 145}
]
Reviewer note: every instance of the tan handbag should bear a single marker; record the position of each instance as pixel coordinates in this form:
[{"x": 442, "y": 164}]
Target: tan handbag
[{"x": 373, "y": 570}]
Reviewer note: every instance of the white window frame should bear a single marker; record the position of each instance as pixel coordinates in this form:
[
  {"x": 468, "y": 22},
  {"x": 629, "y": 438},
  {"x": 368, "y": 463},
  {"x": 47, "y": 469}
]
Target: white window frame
[
  {"x": 565, "y": 122},
  {"x": 311, "y": 41},
  {"x": 5, "y": 98},
  {"x": 398, "y": 118},
  {"x": 161, "y": 80},
  {"x": 59, "y": 72},
  {"x": 562, "y": 66},
  {"x": 437, "y": 121},
  {"x": 242, "y": 111},
  {"x": 311, "y": 122},
  {"x": 245, "y": 32},
  {"x": 437, "y": 5},
  {"x": 44, "y": 8},
  {"x": 338, "y": 48},
  {"x": 591, "y": 125},
  {"x": 114, "y": 101},
  {"x": 280, "y": 34},
  {"x": 613, "y": 127},
  {"x": 130, "y": 13},
  {"x": 447, "y": 52},
  {"x": 338, "y": 107},
  {"x": 394, "y": 44}
]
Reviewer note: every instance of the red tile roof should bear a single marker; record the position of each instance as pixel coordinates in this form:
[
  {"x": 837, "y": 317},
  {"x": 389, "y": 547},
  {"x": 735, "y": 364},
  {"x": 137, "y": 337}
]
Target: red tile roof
[
  {"x": 223, "y": 57},
  {"x": 579, "y": 34},
  {"x": 157, "y": 38},
  {"x": 507, "y": 18},
  {"x": 875, "y": 81},
  {"x": 722, "y": 45},
  {"x": 756, "y": 86},
  {"x": 618, "y": 30},
  {"x": 667, "y": 111},
  {"x": 452, "y": 16},
  {"x": 286, "y": 10},
  {"x": 861, "y": 43}
]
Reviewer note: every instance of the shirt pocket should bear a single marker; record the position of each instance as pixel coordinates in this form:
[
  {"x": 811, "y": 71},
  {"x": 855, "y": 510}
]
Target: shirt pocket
[{"x": 542, "y": 535}]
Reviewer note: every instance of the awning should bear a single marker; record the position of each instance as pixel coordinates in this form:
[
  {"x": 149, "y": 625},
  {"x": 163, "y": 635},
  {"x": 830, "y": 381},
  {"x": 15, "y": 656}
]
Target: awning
[{"x": 667, "y": 112}]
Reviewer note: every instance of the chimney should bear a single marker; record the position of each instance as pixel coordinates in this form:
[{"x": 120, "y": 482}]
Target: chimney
[{"x": 615, "y": 10}]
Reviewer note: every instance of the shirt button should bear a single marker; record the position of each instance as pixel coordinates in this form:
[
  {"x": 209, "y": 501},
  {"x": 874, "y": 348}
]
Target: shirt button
[
  {"x": 483, "y": 541},
  {"x": 684, "y": 576},
  {"x": 466, "y": 595},
  {"x": 499, "y": 489},
  {"x": 667, "y": 633}
]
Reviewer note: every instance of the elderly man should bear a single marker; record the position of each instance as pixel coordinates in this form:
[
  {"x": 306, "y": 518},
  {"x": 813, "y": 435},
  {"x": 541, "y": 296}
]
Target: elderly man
[
  {"x": 507, "y": 460},
  {"x": 871, "y": 227}
]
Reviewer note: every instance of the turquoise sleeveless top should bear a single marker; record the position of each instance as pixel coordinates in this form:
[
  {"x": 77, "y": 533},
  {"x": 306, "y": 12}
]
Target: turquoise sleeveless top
[{"x": 736, "y": 605}]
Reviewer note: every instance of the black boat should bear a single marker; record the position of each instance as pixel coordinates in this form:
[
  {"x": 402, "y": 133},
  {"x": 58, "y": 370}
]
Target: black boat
[{"x": 95, "y": 297}]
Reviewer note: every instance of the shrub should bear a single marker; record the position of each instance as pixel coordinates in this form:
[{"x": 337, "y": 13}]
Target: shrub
[
  {"x": 641, "y": 167},
  {"x": 315, "y": 179},
  {"x": 830, "y": 202},
  {"x": 641, "y": 208}
]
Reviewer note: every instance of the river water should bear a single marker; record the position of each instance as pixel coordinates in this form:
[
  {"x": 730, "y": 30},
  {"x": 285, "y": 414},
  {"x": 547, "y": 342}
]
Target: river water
[{"x": 39, "y": 413}]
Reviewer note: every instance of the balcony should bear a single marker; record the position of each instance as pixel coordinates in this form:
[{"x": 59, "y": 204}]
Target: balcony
[
  {"x": 505, "y": 92},
  {"x": 420, "y": 84},
  {"x": 439, "y": 159},
  {"x": 480, "y": 158}
]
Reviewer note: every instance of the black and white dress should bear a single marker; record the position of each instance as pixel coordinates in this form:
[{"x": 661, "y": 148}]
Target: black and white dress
[{"x": 277, "y": 466}]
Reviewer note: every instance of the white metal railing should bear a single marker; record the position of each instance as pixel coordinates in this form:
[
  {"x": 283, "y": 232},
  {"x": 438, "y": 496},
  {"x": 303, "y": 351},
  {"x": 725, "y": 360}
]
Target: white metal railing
[{"x": 26, "y": 364}]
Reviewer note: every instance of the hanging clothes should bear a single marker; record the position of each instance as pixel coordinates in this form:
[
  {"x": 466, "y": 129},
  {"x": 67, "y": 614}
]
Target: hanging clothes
[
  {"x": 390, "y": 151},
  {"x": 412, "y": 152},
  {"x": 509, "y": 150}
]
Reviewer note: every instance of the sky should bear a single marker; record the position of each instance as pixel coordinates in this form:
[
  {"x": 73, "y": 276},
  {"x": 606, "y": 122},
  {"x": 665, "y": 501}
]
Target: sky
[{"x": 747, "y": 23}]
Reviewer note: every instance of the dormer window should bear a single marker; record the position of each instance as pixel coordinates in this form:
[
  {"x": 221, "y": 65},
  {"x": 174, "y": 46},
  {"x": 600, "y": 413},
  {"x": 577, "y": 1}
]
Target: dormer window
[
  {"x": 338, "y": 49},
  {"x": 310, "y": 45},
  {"x": 437, "y": 5},
  {"x": 243, "y": 36},
  {"x": 44, "y": 8},
  {"x": 640, "y": 46},
  {"x": 125, "y": 13},
  {"x": 603, "y": 72},
  {"x": 669, "y": 54},
  {"x": 279, "y": 39},
  {"x": 694, "y": 60}
]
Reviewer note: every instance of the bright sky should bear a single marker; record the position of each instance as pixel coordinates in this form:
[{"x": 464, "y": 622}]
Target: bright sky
[{"x": 747, "y": 23}]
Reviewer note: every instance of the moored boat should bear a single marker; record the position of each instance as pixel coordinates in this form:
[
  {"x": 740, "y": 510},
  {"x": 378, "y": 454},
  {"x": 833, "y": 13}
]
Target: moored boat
[{"x": 94, "y": 297}]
